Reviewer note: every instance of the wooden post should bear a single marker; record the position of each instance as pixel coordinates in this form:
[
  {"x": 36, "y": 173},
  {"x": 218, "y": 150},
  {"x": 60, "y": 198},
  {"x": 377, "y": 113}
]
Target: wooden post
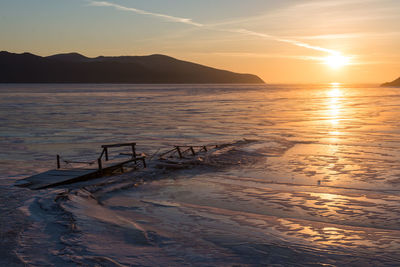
[
  {"x": 179, "y": 152},
  {"x": 191, "y": 149},
  {"x": 133, "y": 151},
  {"x": 100, "y": 165},
  {"x": 58, "y": 162},
  {"x": 144, "y": 163},
  {"x": 106, "y": 152}
]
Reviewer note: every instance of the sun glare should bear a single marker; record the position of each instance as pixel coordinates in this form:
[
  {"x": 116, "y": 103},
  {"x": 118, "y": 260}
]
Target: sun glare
[
  {"x": 337, "y": 61},
  {"x": 335, "y": 92}
]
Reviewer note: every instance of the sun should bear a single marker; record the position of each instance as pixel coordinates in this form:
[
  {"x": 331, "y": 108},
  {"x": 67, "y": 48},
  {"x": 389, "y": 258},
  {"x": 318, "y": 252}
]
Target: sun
[{"x": 336, "y": 61}]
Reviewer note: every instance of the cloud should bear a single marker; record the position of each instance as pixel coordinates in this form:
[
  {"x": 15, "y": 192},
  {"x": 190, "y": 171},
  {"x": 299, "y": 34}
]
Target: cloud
[
  {"x": 261, "y": 55},
  {"x": 211, "y": 27},
  {"x": 289, "y": 41},
  {"x": 348, "y": 35},
  {"x": 143, "y": 12},
  {"x": 305, "y": 9},
  {"x": 334, "y": 3}
]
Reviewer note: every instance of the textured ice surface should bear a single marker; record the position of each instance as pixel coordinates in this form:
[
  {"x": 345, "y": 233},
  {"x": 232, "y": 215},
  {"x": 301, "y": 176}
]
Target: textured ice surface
[{"x": 312, "y": 176}]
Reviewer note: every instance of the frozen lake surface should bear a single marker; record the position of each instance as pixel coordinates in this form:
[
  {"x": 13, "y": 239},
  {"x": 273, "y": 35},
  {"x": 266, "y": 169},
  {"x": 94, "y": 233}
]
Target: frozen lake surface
[{"x": 311, "y": 176}]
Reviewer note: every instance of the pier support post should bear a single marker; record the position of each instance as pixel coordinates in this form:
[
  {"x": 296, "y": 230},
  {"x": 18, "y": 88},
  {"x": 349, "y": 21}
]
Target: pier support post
[
  {"x": 179, "y": 152},
  {"x": 58, "y": 162},
  {"x": 144, "y": 163},
  {"x": 100, "y": 165},
  {"x": 133, "y": 151}
]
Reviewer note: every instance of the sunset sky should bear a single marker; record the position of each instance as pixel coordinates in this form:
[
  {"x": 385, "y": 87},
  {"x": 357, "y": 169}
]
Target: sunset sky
[{"x": 282, "y": 41}]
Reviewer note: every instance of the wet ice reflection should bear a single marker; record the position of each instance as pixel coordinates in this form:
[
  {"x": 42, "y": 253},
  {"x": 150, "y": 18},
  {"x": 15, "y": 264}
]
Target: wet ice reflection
[{"x": 261, "y": 218}]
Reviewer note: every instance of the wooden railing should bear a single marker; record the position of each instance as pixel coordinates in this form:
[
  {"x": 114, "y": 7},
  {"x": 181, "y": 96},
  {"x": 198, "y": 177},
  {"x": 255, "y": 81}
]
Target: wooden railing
[
  {"x": 105, "y": 154},
  {"x": 182, "y": 150},
  {"x": 106, "y": 147}
]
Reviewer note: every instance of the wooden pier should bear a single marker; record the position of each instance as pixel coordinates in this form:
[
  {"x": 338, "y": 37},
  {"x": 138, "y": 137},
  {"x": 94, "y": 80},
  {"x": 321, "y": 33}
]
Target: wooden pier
[
  {"x": 63, "y": 176},
  {"x": 104, "y": 165},
  {"x": 186, "y": 152}
]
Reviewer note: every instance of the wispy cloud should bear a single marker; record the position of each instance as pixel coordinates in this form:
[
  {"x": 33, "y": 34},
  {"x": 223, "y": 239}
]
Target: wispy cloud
[
  {"x": 348, "y": 35},
  {"x": 289, "y": 41},
  {"x": 212, "y": 27},
  {"x": 263, "y": 55},
  {"x": 143, "y": 12},
  {"x": 334, "y": 3},
  {"x": 320, "y": 60},
  {"x": 306, "y": 9}
]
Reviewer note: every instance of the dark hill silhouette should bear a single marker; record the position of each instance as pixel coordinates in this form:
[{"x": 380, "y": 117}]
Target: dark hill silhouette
[
  {"x": 76, "y": 68},
  {"x": 395, "y": 83},
  {"x": 69, "y": 57}
]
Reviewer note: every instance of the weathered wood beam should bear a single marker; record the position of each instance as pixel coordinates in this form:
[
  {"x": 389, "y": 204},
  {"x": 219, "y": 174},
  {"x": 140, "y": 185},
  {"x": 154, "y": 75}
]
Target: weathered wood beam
[{"x": 118, "y": 145}]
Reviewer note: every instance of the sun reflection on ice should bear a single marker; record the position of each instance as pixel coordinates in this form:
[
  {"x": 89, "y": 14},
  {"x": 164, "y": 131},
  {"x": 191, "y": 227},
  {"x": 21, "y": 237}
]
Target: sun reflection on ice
[
  {"x": 335, "y": 91},
  {"x": 334, "y": 108}
]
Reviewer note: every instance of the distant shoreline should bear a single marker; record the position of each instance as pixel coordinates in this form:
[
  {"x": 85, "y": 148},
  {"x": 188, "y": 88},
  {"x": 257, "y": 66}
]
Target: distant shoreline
[{"x": 395, "y": 83}]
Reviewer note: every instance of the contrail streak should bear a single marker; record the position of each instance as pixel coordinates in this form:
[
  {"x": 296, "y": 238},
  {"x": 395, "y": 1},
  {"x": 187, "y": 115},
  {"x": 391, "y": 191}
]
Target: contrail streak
[
  {"x": 143, "y": 12},
  {"x": 289, "y": 41},
  {"x": 189, "y": 21}
]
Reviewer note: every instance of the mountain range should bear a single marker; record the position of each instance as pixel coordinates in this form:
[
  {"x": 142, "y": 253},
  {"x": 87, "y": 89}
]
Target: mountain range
[{"x": 76, "y": 68}]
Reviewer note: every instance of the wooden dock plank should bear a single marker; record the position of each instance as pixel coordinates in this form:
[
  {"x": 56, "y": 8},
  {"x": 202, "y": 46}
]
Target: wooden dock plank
[
  {"x": 61, "y": 173},
  {"x": 69, "y": 172},
  {"x": 56, "y": 177}
]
